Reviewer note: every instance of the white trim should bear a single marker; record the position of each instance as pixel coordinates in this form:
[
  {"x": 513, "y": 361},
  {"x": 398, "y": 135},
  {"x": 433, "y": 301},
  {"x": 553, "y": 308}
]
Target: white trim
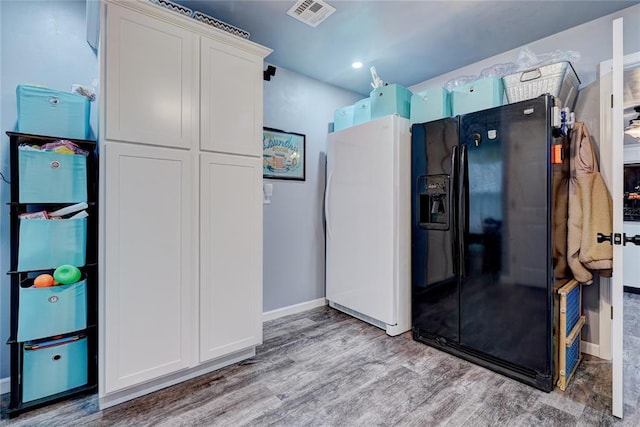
[
  {"x": 604, "y": 319},
  {"x": 590, "y": 348},
  {"x": 616, "y": 144},
  {"x": 630, "y": 61},
  {"x": 115, "y": 398},
  {"x": 5, "y": 385},
  {"x": 293, "y": 309}
]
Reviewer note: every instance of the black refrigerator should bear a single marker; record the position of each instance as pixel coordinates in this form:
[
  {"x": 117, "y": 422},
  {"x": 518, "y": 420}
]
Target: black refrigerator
[{"x": 489, "y": 211}]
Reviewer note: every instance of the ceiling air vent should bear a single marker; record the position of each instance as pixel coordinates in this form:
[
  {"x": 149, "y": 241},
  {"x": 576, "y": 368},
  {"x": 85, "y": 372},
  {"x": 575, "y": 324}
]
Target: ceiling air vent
[{"x": 311, "y": 12}]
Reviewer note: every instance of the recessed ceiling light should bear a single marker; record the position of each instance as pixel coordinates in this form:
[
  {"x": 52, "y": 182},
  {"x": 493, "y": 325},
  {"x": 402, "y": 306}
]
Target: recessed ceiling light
[{"x": 357, "y": 65}]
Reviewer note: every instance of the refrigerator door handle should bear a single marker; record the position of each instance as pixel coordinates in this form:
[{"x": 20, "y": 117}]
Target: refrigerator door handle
[
  {"x": 453, "y": 205},
  {"x": 326, "y": 204},
  {"x": 463, "y": 188}
]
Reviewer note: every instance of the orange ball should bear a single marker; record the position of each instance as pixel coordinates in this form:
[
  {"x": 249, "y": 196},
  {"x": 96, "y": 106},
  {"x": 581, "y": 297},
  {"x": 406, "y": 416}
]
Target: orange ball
[{"x": 43, "y": 281}]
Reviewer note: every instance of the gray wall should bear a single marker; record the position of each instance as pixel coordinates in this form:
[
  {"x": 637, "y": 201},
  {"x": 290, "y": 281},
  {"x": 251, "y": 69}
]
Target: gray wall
[
  {"x": 44, "y": 43},
  {"x": 293, "y": 228},
  {"x": 593, "y": 41}
]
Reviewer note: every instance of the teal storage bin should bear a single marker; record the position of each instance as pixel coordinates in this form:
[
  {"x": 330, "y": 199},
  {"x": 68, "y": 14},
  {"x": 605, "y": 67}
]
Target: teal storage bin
[
  {"x": 47, "y": 244},
  {"x": 478, "y": 95},
  {"x": 343, "y": 118},
  {"x": 51, "y": 367},
  {"x": 44, "y": 111},
  {"x": 362, "y": 111},
  {"x": 56, "y": 310},
  {"x": 429, "y": 105},
  {"x": 48, "y": 177},
  {"x": 390, "y": 99}
]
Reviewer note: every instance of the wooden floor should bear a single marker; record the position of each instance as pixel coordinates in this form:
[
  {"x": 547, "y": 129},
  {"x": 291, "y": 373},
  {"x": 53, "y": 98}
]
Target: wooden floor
[{"x": 324, "y": 368}]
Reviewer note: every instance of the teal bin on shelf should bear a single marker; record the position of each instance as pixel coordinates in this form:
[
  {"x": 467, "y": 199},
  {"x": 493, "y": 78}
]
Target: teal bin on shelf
[
  {"x": 390, "y": 99},
  {"x": 54, "y": 366},
  {"x": 362, "y": 111},
  {"x": 50, "y": 311},
  {"x": 44, "y": 111},
  {"x": 343, "y": 118},
  {"x": 49, "y": 177},
  {"x": 429, "y": 105},
  {"x": 47, "y": 244},
  {"x": 478, "y": 95}
]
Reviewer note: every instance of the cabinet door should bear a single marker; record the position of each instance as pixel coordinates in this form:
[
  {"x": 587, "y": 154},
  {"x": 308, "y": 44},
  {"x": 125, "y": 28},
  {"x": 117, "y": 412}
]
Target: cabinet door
[
  {"x": 230, "y": 254},
  {"x": 631, "y": 273},
  {"x": 231, "y": 99},
  {"x": 148, "y": 278},
  {"x": 151, "y": 89}
]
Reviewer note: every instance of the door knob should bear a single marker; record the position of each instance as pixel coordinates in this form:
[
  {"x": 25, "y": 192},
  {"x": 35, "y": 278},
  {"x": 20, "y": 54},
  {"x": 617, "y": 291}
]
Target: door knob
[
  {"x": 613, "y": 239},
  {"x": 633, "y": 239}
]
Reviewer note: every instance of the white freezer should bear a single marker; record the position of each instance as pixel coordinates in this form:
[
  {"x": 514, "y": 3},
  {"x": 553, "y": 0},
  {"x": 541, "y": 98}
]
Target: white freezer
[{"x": 368, "y": 219}]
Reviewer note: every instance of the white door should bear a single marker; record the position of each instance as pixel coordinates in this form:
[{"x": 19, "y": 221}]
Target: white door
[
  {"x": 230, "y": 254},
  {"x": 148, "y": 280},
  {"x": 616, "y": 187},
  {"x": 361, "y": 217},
  {"x": 151, "y": 80},
  {"x": 231, "y": 99}
]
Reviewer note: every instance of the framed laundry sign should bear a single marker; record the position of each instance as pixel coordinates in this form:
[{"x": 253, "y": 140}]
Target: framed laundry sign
[{"x": 283, "y": 154}]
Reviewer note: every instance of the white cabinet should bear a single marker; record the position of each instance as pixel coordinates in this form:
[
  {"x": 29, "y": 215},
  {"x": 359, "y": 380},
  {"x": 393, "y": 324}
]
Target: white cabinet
[
  {"x": 181, "y": 199},
  {"x": 152, "y": 90},
  {"x": 631, "y": 274},
  {"x": 231, "y": 122},
  {"x": 148, "y": 285},
  {"x": 230, "y": 254}
]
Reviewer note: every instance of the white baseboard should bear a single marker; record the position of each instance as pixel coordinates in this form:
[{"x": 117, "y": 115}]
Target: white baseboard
[
  {"x": 590, "y": 348},
  {"x": 293, "y": 309},
  {"x": 5, "y": 385},
  {"x": 117, "y": 397}
]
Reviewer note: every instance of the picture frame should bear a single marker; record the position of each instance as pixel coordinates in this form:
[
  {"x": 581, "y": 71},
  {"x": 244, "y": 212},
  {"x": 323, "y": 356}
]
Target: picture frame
[{"x": 283, "y": 154}]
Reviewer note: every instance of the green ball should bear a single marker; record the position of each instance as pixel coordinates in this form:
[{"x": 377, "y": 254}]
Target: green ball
[{"x": 67, "y": 274}]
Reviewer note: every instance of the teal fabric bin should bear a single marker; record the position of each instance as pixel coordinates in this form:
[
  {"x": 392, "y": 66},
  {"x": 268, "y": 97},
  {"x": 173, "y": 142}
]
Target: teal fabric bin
[
  {"x": 51, "y": 367},
  {"x": 429, "y": 105},
  {"x": 478, "y": 95},
  {"x": 390, "y": 99},
  {"x": 47, "y": 244},
  {"x": 48, "y": 177},
  {"x": 362, "y": 111},
  {"x": 343, "y": 118},
  {"x": 44, "y": 111},
  {"x": 56, "y": 310}
]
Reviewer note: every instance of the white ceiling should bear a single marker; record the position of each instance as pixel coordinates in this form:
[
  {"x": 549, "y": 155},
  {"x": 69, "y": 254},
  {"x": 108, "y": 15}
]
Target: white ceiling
[{"x": 407, "y": 41}]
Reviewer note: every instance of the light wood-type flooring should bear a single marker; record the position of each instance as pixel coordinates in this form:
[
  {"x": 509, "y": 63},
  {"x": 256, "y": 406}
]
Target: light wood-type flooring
[{"x": 325, "y": 368}]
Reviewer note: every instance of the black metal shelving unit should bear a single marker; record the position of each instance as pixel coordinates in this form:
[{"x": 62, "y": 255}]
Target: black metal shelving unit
[{"x": 15, "y": 405}]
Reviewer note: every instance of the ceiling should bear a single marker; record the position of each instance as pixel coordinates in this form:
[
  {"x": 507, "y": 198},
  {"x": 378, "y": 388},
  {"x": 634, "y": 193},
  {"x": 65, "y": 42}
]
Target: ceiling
[{"x": 407, "y": 41}]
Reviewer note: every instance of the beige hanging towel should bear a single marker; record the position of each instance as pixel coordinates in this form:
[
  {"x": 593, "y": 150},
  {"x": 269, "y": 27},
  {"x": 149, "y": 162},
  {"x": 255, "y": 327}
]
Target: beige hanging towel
[{"x": 590, "y": 211}]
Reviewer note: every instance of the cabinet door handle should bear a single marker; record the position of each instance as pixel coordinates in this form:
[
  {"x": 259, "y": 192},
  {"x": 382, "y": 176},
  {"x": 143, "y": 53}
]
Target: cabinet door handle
[{"x": 326, "y": 204}]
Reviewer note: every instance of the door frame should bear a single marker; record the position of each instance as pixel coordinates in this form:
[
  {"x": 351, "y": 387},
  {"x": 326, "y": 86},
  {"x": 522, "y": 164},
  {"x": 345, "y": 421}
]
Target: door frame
[{"x": 611, "y": 294}]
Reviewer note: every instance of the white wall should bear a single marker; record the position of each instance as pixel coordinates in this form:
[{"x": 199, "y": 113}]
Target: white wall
[
  {"x": 293, "y": 224},
  {"x": 41, "y": 42}
]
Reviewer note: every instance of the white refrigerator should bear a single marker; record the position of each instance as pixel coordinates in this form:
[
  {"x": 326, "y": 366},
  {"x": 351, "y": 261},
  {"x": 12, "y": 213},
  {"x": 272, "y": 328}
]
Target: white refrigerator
[{"x": 368, "y": 220}]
